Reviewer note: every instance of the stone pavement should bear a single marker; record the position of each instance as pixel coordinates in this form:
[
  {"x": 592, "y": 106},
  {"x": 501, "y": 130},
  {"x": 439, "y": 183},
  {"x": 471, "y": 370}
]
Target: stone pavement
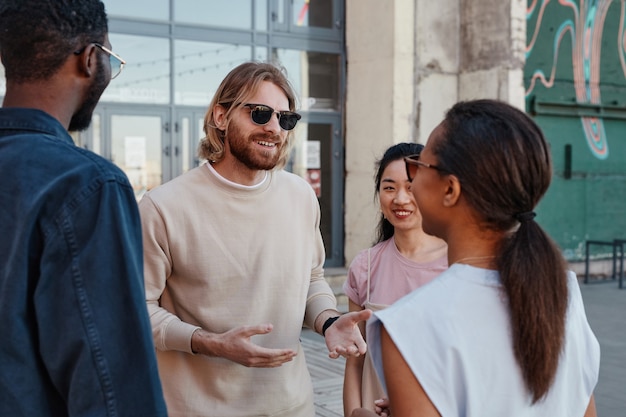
[
  {"x": 326, "y": 373},
  {"x": 605, "y": 305}
]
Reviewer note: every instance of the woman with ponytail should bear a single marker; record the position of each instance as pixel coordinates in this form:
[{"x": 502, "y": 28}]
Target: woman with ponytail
[{"x": 503, "y": 331}]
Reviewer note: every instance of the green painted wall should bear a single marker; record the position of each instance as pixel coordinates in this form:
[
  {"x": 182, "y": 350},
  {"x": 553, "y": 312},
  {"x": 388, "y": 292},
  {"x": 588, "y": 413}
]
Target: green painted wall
[{"x": 575, "y": 79}]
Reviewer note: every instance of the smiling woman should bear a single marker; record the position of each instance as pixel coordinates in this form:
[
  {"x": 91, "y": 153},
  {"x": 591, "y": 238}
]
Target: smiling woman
[{"x": 403, "y": 259}]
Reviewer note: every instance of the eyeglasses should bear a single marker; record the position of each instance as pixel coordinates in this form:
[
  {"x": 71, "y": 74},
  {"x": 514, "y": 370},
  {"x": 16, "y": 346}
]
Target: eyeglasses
[
  {"x": 117, "y": 63},
  {"x": 412, "y": 163},
  {"x": 262, "y": 114}
]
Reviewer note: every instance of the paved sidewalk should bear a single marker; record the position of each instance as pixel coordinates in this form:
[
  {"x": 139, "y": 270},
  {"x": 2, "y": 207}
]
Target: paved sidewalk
[
  {"x": 605, "y": 305},
  {"x": 326, "y": 373}
]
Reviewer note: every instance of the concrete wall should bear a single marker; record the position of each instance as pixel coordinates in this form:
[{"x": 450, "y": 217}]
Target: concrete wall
[
  {"x": 408, "y": 62},
  {"x": 437, "y": 62},
  {"x": 379, "y": 103},
  {"x": 493, "y": 42}
]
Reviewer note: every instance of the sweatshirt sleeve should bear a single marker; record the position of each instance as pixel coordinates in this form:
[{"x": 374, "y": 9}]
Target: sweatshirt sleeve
[
  {"x": 169, "y": 331},
  {"x": 320, "y": 296}
]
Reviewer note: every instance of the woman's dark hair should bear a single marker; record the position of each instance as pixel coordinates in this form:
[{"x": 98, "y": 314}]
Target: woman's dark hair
[
  {"x": 385, "y": 229},
  {"x": 37, "y": 36},
  {"x": 503, "y": 163}
]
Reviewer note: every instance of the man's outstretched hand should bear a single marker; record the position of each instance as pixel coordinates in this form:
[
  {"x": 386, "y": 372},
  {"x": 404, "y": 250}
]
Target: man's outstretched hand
[
  {"x": 343, "y": 337},
  {"x": 235, "y": 345}
]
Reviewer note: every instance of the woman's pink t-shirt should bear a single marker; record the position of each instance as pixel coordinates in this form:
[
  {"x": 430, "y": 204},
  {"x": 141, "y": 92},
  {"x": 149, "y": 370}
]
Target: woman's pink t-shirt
[{"x": 391, "y": 274}]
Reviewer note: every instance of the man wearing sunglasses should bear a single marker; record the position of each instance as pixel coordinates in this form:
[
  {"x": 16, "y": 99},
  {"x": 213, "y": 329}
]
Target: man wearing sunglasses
[
  {"x": 75, "y": 333},
  {"x": 234, "y": 263}
]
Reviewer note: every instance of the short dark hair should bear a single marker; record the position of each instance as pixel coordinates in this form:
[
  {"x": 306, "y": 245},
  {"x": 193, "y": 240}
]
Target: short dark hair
[
  {"x": 36, "y": 36},
  {"x": 398, "y": 151}
]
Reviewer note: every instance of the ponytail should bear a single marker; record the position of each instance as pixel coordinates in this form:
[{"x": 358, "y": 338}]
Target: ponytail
[{"x": 533, "y": 273}]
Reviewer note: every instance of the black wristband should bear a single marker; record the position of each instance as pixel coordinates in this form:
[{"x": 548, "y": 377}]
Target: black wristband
[{"x": 327, "y": 324}]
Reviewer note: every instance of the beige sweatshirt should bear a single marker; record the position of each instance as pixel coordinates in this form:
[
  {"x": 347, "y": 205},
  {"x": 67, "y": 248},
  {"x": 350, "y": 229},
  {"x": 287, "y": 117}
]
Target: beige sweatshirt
[{"x": 218, "y": 255}]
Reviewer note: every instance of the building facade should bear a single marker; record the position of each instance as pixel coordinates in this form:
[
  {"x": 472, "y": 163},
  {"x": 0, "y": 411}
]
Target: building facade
[
  {"x": 409, "y": 61},
  {"x": 563, "y": 62},
  {"x": 371, "y": 73}
]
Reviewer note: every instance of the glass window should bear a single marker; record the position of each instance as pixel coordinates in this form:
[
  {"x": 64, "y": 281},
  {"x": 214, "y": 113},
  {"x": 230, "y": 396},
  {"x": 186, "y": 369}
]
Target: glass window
[
  {"x": 315, "y": 13},
  {"x": 96, "y": 139},
  {"x": 314, "y": 75},
  {"x": 236, "y": 14},
  {"x": 199, "y": 67},
  {"x": 185, "y": 133},
  {"x": 260, "y": 53},
  {"x": 278, "y": 16},
  {"x": 201, "y": 136},
  {"x": 142, "y": 9},
  {"x": 311, "y": 158},
  {"x": 260, "y": 15},
  {"x": 136, "y": 147},
  {"x": 146, "y": 76},
  {"x": 92, "y": 138}
]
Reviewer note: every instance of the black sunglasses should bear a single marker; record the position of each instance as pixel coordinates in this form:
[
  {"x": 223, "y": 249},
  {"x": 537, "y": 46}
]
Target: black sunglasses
[
  {"x": 412, "y": 163},
  {"x": 262, "y": 114}
]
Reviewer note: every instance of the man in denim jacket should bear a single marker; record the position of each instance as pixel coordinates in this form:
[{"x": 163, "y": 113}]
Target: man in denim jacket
[{"x": 75, "y": 334}]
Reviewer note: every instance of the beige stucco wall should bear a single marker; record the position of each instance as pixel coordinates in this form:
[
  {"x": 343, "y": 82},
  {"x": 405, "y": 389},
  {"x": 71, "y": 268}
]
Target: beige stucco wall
[
  {"x": 492, "y": 53},
  {"x": 379, "y": 103},
  {"x": 407, "y": 62}
]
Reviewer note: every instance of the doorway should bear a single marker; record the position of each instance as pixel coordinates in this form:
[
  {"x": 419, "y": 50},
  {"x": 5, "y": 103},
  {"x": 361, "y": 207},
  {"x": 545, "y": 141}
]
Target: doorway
[{"x": 148, "y": 144}]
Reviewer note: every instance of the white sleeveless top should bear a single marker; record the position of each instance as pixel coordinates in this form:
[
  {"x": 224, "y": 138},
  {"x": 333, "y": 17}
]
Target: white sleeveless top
[{"x": 455, "y": 336}]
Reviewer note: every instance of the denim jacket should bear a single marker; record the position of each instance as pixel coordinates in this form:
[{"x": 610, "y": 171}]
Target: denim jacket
[{"x": 75, "y": 336}]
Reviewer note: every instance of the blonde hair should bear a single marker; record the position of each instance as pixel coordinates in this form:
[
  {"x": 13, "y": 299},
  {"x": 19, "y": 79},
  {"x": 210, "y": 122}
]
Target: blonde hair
[{"x": 240, "y": 83}]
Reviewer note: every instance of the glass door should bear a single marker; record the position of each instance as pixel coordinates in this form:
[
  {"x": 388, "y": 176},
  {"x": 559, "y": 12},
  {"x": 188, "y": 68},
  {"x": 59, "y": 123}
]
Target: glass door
[
  {"x": 317, "y": 156},
  {"x": 137, "y": 140},
  {"x": 188, "y": 131},
  {"x": 139, "y": 148}
]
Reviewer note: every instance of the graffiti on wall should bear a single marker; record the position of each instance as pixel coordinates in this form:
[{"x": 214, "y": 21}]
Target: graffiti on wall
[{"x": 585, "y": 27}]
